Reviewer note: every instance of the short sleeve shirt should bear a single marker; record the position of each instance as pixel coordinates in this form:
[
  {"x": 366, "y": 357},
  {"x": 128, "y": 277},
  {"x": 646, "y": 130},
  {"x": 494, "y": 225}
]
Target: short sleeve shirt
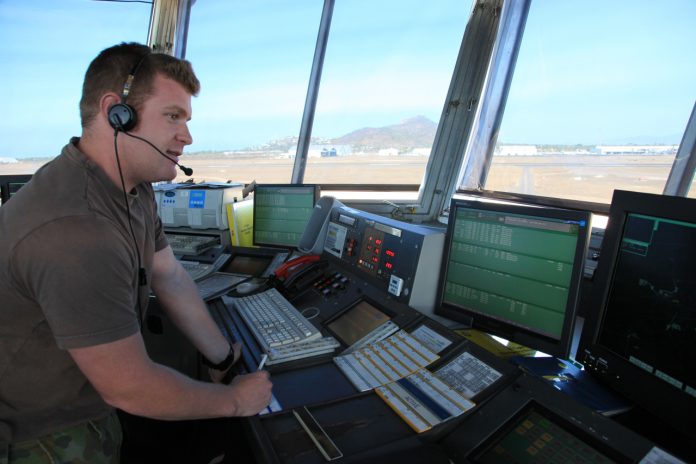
[{"x": 69, "y": 278}]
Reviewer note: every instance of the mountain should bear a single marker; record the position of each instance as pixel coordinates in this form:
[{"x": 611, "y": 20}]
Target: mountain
[
  {"x": 416, "y": 132},
  {"x": 410, "y": 133}
]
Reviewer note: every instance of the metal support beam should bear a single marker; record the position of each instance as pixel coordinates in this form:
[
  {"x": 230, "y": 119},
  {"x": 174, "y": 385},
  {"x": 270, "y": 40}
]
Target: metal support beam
[
  {"x": 460, "y": 110},
  {"x": 168, "y": 22},
  {"x": 682, "y": 173},
  {"x": 504, "y": 57},
  {"x": 312, "y": 94}
]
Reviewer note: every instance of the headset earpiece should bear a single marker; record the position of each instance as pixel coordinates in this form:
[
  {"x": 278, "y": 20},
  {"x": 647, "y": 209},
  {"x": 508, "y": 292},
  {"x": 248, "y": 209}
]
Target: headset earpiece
[{"x": 122, "y": 117}]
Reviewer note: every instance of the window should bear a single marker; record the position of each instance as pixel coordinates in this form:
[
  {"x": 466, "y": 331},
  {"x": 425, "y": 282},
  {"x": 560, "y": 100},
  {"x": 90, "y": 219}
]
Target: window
[
  {"x": 253, "y": 60},
  {"x": 386, "y": 73},
  {"x": 599, "y": 101},
  {"x": 47, "y": 46}
]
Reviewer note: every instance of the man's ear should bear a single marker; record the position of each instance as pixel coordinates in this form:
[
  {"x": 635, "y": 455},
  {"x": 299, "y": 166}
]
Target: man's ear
[{"x": 107, "y": 101}]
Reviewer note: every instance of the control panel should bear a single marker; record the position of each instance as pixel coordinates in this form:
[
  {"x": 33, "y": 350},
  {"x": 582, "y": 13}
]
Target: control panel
[{"x": 399, "y": 258}]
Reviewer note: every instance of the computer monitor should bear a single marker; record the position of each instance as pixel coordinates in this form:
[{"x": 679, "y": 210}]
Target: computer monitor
[
  {"x": 514, "y": 270},
  {"x": 643, "y": 343},
  {"x": 281, "y": 213},
  {"x": 10, "y": 184}
]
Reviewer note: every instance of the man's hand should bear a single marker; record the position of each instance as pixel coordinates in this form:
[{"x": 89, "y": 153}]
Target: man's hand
[
  {"x": 252, "y": 393},
  {"x": 217, "y": 376}
]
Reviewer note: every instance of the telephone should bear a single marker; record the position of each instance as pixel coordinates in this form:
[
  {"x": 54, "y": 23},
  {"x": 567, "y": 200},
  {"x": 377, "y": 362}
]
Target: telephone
[{"x": 296, "y": 275}]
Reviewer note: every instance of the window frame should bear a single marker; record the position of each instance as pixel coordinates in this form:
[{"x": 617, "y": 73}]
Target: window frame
[
  {"x": 472, "y": 113},
  {"x": 487, "y": 126}
]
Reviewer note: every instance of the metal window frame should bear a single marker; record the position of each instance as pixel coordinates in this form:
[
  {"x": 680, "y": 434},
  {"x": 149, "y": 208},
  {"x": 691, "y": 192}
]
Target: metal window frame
[
  {"x": 304, "y": 138},
  {"x": 483, "y": 140},
  {"x": 682, "y": 173},
  {"x": 456, "y": 122},
  {"x": 465, "y": 139}
]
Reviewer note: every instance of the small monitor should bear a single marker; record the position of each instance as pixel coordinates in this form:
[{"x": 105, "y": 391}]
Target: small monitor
[
  {"x": 10, "y": 185},
  {"x": 248, "y": 264},
  {"x": 535, "y": 434},
  {"x": 643, "y": 343},
  {"x": 514, "y": 270},
  {"x": 281, "y": 213},
  {"x": 357, "y": 322}
]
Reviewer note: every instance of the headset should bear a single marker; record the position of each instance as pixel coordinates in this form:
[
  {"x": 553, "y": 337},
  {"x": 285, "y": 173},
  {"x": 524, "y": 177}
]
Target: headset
[{"x": 122, "y": 116}]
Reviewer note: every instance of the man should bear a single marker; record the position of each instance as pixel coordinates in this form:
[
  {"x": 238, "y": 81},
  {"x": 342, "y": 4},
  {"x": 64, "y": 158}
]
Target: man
[{"x": 81, "y": 248}]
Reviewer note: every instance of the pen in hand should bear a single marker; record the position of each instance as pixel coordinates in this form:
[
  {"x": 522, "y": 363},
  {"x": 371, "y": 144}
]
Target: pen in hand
[{"x": 264, "y": 358}]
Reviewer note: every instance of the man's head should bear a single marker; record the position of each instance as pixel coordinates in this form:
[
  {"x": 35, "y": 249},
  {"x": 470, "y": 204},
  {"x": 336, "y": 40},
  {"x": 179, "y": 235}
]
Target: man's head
[
  {"x": 109, "y": 71},
  {"x": 160, "y": 90}
]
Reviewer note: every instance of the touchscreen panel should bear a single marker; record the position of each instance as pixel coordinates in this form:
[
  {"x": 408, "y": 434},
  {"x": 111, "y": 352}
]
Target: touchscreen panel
[{"x": 357, "y": 322}]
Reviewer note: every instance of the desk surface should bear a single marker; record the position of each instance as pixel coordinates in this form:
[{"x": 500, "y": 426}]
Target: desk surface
[{"x": 364, "y": 427}]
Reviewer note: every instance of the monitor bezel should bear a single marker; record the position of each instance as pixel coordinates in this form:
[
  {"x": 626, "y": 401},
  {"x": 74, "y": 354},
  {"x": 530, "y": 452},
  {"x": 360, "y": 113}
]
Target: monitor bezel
[
  {"x": 317, "y": 193},
  {"x": 637, "y": 385},
  {"x": 532, "y": 339}
]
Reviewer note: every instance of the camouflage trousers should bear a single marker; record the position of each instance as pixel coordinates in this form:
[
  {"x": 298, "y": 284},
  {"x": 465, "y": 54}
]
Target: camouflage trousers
[{"x": 96, "y": 441}]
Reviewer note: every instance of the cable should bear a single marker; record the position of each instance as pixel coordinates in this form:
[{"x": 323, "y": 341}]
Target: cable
[{"x": 142, "y": 277}]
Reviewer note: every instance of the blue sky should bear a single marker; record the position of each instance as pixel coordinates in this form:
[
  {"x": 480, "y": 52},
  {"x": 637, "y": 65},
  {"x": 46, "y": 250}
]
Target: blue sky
[
  {"x": 616, "y": 72},
  {"x": 589, "y": 72}
]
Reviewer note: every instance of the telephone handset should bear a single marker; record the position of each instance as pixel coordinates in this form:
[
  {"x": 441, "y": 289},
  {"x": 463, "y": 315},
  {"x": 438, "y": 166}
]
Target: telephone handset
[
  {"x": 314, "y": 235},
  {"x": 296, "y": 275}
]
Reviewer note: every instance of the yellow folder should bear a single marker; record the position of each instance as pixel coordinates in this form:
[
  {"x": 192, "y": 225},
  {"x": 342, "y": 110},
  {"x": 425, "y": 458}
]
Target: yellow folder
[{"x": 240, "y": 217}]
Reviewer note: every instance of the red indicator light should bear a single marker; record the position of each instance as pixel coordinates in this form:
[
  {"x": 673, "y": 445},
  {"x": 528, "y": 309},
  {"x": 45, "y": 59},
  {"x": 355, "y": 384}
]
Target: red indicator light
[
  {"x": 376, "y": 251},
  {"x": 378, "y": 242},
  {"x": 375, "y": 259},
  {"x": 390, "y": 253},
  {"x": 388, "y": 265}
]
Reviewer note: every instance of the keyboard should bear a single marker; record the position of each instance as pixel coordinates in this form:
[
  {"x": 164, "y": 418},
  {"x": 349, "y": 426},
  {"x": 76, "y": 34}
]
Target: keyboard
[
  {"x": 198, "y": 270},
  {"x": 301, "y": 350},
  {"x": 273, "y": 320},
  {"x": 218, "y": 283},
  {"x": 191, "y": 244}
]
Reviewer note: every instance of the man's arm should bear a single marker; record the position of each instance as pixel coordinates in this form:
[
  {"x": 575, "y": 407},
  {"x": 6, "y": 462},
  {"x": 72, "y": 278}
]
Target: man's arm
[
  {"x": 179, "y": 297},
  {"x": 127, "y": 379}
]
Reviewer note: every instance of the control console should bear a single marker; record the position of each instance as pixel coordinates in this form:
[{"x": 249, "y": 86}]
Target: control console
[{"x": 398, "y": 258}]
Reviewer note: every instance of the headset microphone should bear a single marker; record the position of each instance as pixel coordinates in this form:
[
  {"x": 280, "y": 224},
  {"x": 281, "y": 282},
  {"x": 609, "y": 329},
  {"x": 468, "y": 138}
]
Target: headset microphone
[{"x": 184, "y": 169}]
